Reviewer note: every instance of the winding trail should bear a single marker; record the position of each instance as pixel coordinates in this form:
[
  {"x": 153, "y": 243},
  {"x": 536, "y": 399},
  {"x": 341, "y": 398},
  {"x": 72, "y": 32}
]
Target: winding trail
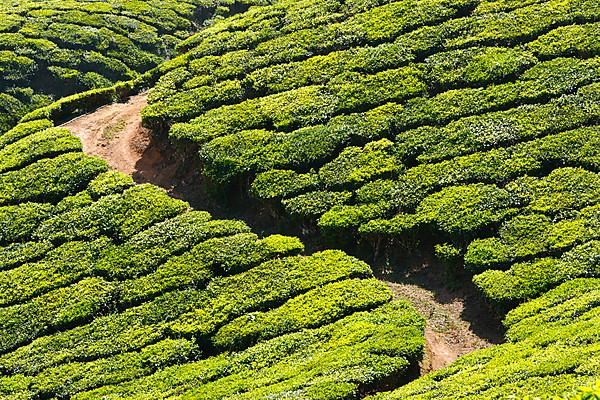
[
  {"x": 447, "y": 334},
  {"x": 457, "y": 322},
  {"x": 115, "y": 133}
]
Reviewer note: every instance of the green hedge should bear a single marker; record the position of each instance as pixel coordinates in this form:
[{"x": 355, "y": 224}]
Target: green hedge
[
  {"x": 579, "y": 40},
  {"x": 49, "y": 179},
  {"x": 148, "y": 249},
  {"x": 110, "y": 182},
  {"x": 527, "y": 280},
  {"x": 45, "y": 144},
  {"x": 23, "y": 130},
  {"x": 119, "y": 216},
  {"x": 130, "y": 330},
  {"x": 194, "y": 268},
  {"x": 314, "y": 308},
  {"x": 475, "y": 66},
  {"x": 18, "y": 222},
  {"x": 72, "y": 378},
  {"x": 302, "y": 363},
  {"x": 314, "y": 204},
  {"x": 531, "y": 235},
  {"x": 16, "y": 254},
  {"x": 476, "y": 120},
  {"x": 80, "y": 103},
  {"x": 305, "y": 106},
  {"x": 291, "y": 46},
  {"x": 498, "y": 129},
  {"x": 267, "y": 285},
  {"x": 60, "y": 267},
  {"x": 502, "y": 165},
  {"x": 562, "y": 191},
  {"x": 207, "y": 80},
  {"x": 358, "y": 23},
  {"x": 556, "y": 308},
  {"x": 54, "y": 310}
]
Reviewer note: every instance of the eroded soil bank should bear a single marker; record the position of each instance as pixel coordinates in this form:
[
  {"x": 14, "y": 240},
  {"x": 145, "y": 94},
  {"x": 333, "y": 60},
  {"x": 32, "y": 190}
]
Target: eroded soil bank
[{"x": 115, "y": 133}]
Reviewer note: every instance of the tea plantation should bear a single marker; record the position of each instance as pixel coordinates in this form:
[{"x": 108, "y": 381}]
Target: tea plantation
[
  {"x": 114, "y": 290},
  {"x": 473, "y": 125}
]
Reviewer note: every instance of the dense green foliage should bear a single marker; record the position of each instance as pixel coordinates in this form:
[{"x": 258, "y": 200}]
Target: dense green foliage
[
  {"x": 473, "y": 122},
  {"x": 113, "y": 290}
]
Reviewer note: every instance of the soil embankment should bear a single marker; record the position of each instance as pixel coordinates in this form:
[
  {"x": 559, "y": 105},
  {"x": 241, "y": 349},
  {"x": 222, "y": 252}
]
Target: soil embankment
[{"x": 115, "y": 133}]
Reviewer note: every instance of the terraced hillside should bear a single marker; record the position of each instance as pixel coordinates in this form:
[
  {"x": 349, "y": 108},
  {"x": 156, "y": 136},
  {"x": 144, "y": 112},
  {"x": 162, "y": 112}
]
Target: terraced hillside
[
  {"x": 468, "y": 124},
  {"x": 116, "y": 290},
  {"x": 472, "y": 124},
  {"x": 49, "y": 49}
]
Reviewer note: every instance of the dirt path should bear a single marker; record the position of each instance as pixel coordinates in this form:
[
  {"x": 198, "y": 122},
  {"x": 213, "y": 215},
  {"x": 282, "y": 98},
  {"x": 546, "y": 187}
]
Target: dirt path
[
  {"x": 115, "y": 134},
  {"x": 448, "y": 335},
  {"x": 457, "y": 323}
]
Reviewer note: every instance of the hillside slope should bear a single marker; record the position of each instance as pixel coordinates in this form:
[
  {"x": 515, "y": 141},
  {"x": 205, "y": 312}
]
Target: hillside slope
[
  {"x": 385, "y": 127},
  {"x": 55, "y": 48}
]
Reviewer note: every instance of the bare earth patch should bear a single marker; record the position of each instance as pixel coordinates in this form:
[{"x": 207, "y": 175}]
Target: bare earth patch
[
  {"x": 447, "y": 335},
  {"x": 458, "y": 322},
  {"x": 114, "y": 133}
]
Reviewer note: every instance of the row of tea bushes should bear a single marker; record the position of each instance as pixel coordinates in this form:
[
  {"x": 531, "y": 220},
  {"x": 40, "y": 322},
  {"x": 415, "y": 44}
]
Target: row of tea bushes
[{"x": 334, "y": 361}]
